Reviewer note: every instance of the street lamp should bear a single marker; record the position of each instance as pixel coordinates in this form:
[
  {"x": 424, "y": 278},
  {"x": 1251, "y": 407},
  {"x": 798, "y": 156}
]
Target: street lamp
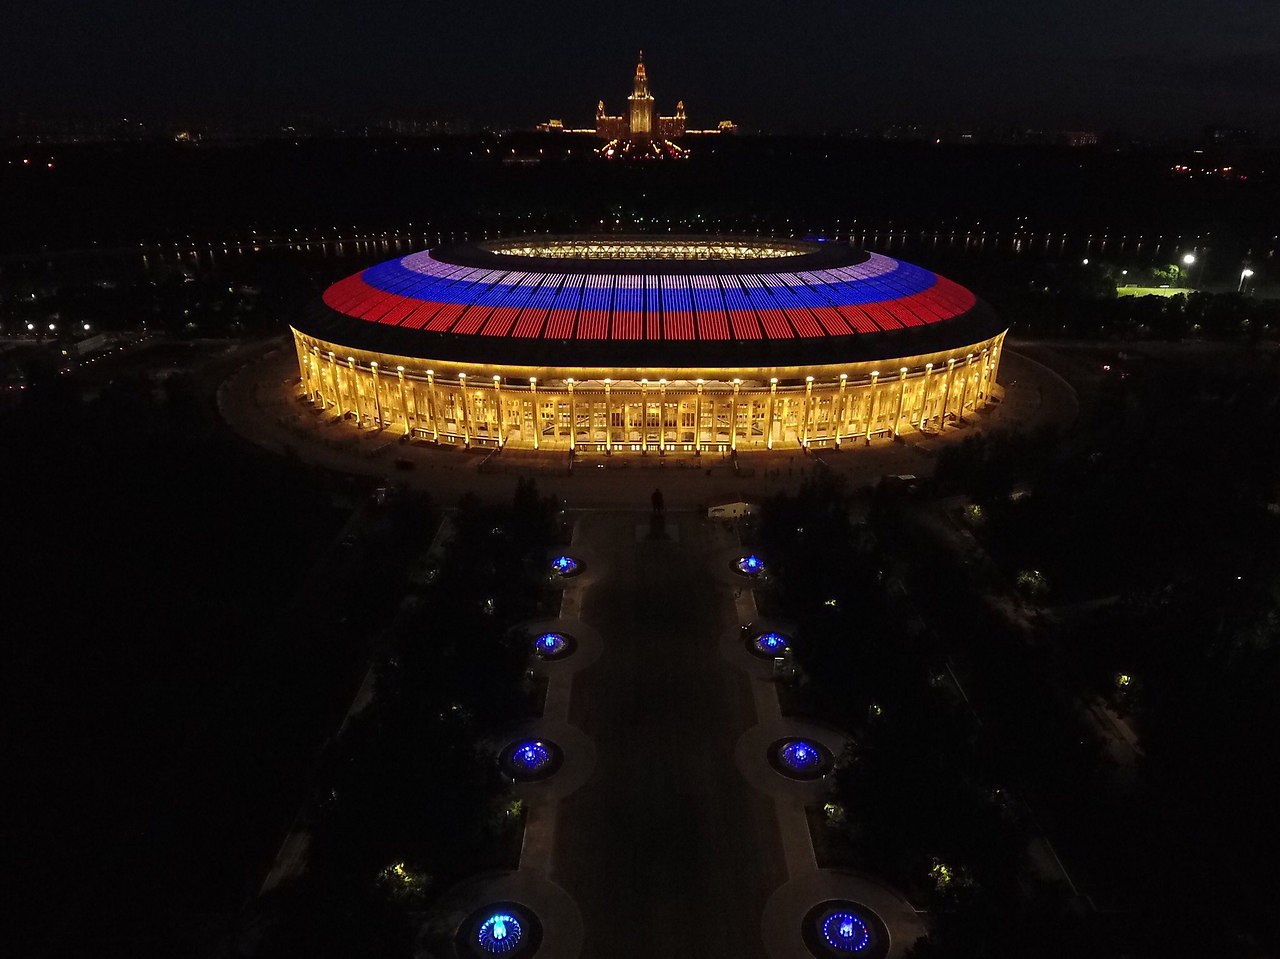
[
  {"x": 1244, "y": 277},
  {"x": 1188, "y": 260}
]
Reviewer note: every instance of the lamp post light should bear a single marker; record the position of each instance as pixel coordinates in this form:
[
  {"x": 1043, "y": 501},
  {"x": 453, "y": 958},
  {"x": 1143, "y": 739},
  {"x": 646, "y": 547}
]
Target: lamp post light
[
  {"x": 1244, "y": 279},
  {"x": 1189, "y": 260}
]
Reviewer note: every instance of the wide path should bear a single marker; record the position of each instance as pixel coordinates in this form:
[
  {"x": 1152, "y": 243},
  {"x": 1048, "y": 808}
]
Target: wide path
[{"x": 667, "y": 851}]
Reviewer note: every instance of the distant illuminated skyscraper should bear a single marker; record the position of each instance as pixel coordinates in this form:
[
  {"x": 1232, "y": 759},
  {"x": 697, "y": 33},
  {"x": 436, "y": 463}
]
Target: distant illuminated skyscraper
[
  {"x": 640, "y": 103},
  {"x": 640, "y": 120}
]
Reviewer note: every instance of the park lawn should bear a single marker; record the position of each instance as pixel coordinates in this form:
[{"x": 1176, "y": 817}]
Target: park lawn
[{"x": 1153, "y": 291}]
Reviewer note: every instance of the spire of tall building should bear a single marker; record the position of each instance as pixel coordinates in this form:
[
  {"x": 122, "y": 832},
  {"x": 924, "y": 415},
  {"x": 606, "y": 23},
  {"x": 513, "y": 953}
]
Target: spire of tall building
[
  {"x": 640, "y": 103},
  {"x": 641, "y": 85}
]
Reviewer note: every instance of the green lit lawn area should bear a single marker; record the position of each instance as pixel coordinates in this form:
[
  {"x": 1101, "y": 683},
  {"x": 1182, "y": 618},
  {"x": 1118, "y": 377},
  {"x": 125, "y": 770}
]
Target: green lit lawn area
[{"x": 1152, "y": 290}]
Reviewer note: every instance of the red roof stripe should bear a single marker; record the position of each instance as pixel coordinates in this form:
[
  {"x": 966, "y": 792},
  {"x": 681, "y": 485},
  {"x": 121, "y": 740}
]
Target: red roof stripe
[{"x": 420, "y": 292}]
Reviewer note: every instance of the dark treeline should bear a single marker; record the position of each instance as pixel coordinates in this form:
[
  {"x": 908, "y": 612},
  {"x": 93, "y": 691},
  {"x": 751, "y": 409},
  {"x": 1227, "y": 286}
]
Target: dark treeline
[
  {"x": 1151, "y": 539},
  {"x": 1131, "y": 569},
  {"x": 119, "y": 195},
  {"x": 411, "y": 799},
  {"x": 917, "y": 794}
]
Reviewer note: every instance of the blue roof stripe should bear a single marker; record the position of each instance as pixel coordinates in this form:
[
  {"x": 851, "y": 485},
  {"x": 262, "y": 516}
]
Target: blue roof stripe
[{"x": 812, "y": 289}]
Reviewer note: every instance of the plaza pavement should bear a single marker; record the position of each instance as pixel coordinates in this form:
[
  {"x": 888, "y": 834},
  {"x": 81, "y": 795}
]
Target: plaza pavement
[
  {"x": 667, "y": 832},
  {"x": 664, "y": 850}
]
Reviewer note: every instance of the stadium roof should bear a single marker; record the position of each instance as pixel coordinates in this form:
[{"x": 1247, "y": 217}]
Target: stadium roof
[{"x": 649, "y": 301}]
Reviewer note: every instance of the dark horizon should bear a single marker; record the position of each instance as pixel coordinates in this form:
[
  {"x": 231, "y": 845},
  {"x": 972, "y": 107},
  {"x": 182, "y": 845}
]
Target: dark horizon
[{"x": 1153, "y": 71}]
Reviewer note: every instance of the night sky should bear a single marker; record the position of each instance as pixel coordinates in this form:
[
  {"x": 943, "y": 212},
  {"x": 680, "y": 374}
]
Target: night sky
[{"x": 1143, "y": 66}]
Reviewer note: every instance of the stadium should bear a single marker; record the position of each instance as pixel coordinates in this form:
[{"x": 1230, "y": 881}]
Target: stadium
[{"x": 648, "y": 345}]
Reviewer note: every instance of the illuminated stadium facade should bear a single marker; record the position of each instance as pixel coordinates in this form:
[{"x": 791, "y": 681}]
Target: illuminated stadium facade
[{"x": 648, "y": 345}]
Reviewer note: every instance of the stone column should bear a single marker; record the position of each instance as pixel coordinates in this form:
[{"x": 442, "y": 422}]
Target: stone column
[
  {"x": 644, "y": 416},
  {"x": 871, "y": 406},
  {"x": 497, "y": 406},
  {"x": 924, "y": 397},
  {"x": 573, "y": 418},
  {"x": 902, "y": 395},
  {"x": 990, "y": 382},
  {"x": 773, "y": 399},
  {"x": 434, "y": 403},
  {"x": 808, "y": 408},
  {"x": 306, "y": 369},
  {"x": 946, "y": 395},
  {"x": 355, "y": 388},
  {"x": 842, "y": 400},
  {"x": 964, "y": 389},
  {"x": 608, "y": 415},
  {"x": 662, "y": 416},
  {"x": 466, "y": 409},
  {"x": 984, "y": 385},
  {"x": 733, "y": 417},
  {"x": 537, "y": 412},
  {"x": 404, "y": 402},
  {"x": 333, "y": 375},
  {"x": 377, "y": 394},
  {"x": 697, "y": 420}
]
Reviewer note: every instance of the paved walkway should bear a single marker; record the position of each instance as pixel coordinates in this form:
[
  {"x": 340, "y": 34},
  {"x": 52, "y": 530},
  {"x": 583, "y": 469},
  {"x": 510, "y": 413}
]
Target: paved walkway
[
  {"x": 667, "y": 832},
  {"x": 664, "y": 850},
  {"x": 806, "y": 884},
  {"x": 532, "y": 884}
]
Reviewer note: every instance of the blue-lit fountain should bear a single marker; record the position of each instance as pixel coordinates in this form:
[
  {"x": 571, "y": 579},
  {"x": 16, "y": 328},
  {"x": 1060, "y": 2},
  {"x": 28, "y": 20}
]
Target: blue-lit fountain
[
  {"x": 800, "y": 756},
  {"x": 499, "y": 929},
  {"x": 845, "y": 931},
  {"x": 531, "y": 756},
  {"x": 770, "y": 644},
  {"x": 553, "y": 645},
  {"x": 500, "y": 933},
  {"x": 527, "y": 760},
  {"x": 839, "y": 927},
  {"x": 749, "y": 565},
  {"x": 565, "y": 566},
  {"x": 802, "y": 759}
]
